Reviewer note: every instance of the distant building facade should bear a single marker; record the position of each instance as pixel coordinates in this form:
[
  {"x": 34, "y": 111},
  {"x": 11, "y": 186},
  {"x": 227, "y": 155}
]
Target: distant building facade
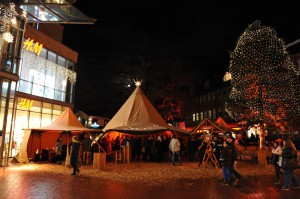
[
  {"x": 210, "y": 104},
  {"x": 93, "y": 122}
]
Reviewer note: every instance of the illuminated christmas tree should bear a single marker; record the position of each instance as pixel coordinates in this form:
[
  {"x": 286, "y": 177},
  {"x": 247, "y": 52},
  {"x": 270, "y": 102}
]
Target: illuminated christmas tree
[{"x": 265, "y": 82}]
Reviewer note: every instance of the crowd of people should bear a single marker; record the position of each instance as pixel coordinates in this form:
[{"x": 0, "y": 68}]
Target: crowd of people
[
  {"x": 164, "y": 148},
  {"x": 284, "y": 157},
  {"x": 148, "y": 148}
]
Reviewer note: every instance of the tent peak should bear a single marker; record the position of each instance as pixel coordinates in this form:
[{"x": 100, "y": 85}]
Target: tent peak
[{"x": 137, "y": 83}]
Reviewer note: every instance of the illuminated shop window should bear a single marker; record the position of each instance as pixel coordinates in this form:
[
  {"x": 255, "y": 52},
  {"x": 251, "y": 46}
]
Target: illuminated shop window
[{"x": 48, "y": 78}]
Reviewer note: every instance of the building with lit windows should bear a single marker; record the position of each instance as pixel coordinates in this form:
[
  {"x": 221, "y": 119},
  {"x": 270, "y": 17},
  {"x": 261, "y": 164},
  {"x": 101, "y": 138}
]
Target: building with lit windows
[
  {"x": 210, "y": 104},
  {"x": 37, "y": 72}
]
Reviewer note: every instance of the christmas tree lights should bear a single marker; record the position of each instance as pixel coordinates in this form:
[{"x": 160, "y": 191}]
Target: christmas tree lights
[{"x": 264, "y": 79}]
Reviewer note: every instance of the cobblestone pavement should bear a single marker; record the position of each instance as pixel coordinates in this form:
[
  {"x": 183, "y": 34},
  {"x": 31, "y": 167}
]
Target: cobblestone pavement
[{"x": 17, "y": 182}]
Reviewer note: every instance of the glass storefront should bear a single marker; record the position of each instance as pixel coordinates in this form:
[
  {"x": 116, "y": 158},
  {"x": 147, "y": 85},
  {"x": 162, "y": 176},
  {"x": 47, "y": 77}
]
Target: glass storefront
[
  {"x": 48, "y": 75},
  {"x": 6, "y": 109},
  {"x": 32, "y": 114},
  {"x": 12, "y": 26}
]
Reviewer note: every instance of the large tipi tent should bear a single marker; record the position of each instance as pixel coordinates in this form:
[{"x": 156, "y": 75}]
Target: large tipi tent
[
  {"x": 138, "y": 116},
  {"x": 45, "y": 138}
]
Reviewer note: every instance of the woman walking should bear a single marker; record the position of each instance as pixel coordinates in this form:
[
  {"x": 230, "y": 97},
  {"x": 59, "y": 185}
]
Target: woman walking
[
  {"x": 289, "y": 153},
  {"x": 276, "y": 152},
  {"x": 226, "y": 159}
]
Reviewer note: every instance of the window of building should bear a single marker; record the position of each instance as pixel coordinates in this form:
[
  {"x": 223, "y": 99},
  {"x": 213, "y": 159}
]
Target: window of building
[
  {"x": 197, "y": 116},
  {"x": 205, "y": 114},
  {"x": 201, "y": 116},
  {"x": 208, "y": 97},
  {"x": 47, "y": 108},
  {"x": 44, "y": 78},
  {"x": 214, "y": 114},
  {"x": 213, "y": 96},
  {"x": 209, "y": 114},
  {"x": 220, "y": 112},
  {"x": 194, "y": 117},
  {"x": 61, "y": 61},
  {"x": 51, "y": 56}
]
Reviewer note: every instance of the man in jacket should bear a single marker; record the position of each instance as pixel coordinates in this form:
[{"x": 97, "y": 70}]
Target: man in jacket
[
  {"x": 175, "y": 149},
  {"x": 74, "y": 154},
  {"x": 231, "y": 169}
]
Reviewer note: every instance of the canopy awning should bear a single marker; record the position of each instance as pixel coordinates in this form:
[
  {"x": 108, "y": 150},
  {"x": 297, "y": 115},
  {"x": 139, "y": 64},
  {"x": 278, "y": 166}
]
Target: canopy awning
[{"x": 54, "y": 11}]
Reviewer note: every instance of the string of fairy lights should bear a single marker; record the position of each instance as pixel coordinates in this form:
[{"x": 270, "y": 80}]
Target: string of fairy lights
[
  {"x": 8, "y": 17},
  {"x": 265, "y": 80},
  {"x": 30, "y": 60}
]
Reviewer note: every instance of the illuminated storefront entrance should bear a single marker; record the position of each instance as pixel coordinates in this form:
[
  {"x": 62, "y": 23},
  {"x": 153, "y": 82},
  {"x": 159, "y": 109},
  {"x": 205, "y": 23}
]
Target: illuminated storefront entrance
[
  {"x": 12, "y": 25},
  {"x": 32, "y": 114}
]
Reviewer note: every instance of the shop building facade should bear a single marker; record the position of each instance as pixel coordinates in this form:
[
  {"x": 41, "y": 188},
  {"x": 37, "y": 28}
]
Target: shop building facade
[
  {"x": 12, "y": 27},
  {"x": 46, "y": 85},
  {"x": 37, "y": 72}
]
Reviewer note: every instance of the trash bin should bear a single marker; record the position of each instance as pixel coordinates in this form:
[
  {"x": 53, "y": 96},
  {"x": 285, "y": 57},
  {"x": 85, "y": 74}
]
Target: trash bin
[
  {"x": 99, "y": 161},
  {"x": 262, "y": 157}
]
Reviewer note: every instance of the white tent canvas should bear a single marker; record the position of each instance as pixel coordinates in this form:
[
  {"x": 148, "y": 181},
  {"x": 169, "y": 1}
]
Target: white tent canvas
[{"x": 138, "y": 116}]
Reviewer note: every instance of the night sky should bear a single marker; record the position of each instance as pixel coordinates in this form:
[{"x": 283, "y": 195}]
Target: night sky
[{"x": 148, "y": 39}]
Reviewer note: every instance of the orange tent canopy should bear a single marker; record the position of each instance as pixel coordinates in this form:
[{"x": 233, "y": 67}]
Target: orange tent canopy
[{"x": 45, "y": 137}]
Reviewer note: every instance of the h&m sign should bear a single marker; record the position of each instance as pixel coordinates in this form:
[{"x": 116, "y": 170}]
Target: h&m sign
[{"x": 33, "y": 47}]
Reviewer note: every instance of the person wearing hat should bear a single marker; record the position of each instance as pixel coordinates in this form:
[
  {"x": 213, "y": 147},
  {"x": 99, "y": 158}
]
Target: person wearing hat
[{"x": 74, "y": 154}]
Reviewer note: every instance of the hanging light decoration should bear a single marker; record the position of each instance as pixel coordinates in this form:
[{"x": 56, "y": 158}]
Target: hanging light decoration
[
  {"x": 8, "y": 37},
  {"x": 30, "y": 60},
  {"x": 137, "y": 82},
  {"x": 8, "y": 17}
]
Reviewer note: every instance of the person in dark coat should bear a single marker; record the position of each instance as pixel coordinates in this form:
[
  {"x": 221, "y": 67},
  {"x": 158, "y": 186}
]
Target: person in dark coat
[
  {"x": 75, "y": 154},
  {"x": 232, "y": 171},
  {"x": 226, "y": 159},
  {"x": 289, "y": 152},
  {"x": 192, "y": 147}
]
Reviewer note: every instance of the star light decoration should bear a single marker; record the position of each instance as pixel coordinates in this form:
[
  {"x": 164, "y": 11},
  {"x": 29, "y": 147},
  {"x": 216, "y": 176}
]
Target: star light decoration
[
  {"x": 137, "y": 82},
  {"x": 265, "y": 81},
  {"x": 8, "y": 37},
  {"x": 7, "y": 17}
]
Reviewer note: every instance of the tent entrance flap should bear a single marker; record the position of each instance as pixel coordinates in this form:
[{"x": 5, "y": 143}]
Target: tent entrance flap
[{"x": 22, "y": 155}]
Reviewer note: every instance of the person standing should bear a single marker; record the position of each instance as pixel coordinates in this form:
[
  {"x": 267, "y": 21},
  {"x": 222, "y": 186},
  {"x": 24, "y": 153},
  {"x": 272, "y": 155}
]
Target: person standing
[
  {"x": 192, "y": 147},
  {"x": 226, "y": 158},
  {"x": 276, "y": 152},
  {"x": 86, "y": 147},
  {"x": 289, "y": 152},
  {"x": 75, "y": 154},
  {"x": 174, "y": 146},
  {"x": 108, "y": 144},
  {"x": 231, "y": 170},
  {"x": 58, "y": 148},
  {"x": 202, "y": 149}
]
